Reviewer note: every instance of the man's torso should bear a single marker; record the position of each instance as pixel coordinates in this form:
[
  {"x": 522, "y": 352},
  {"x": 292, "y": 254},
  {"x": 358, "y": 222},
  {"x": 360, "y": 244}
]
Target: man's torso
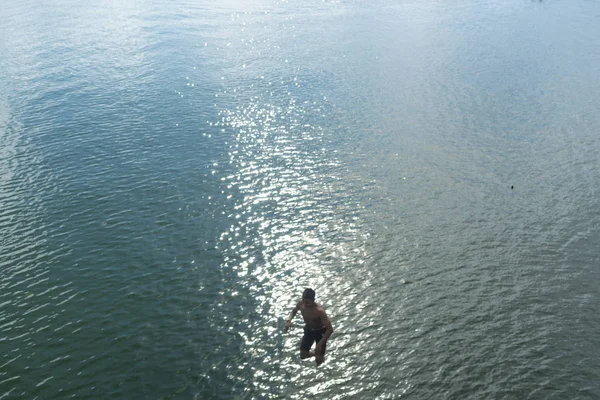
[{"x": 312, "y": 316}]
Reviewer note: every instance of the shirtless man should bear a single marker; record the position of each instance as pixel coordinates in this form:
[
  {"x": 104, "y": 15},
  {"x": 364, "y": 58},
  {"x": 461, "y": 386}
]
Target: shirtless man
[{"x": 317, "y": 329}]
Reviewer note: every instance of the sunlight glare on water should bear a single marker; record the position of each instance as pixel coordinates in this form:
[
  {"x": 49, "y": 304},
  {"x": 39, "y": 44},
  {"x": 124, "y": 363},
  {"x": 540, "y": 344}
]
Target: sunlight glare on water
[{"x": 291, "y": 229}]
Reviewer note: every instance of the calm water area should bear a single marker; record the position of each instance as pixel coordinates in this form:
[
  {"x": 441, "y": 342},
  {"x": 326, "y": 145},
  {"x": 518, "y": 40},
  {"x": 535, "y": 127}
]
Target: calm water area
[{"x": 174, "y": 174}]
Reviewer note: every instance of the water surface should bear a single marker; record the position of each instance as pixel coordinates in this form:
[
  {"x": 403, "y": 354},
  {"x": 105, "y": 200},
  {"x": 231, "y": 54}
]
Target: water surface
[{"x": 172, "y": 176}]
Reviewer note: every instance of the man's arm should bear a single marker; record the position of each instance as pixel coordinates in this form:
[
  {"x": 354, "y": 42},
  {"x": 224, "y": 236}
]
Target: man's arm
[
  {"x": 288, "y": 323},
  {"x": 328, "y": 332}
]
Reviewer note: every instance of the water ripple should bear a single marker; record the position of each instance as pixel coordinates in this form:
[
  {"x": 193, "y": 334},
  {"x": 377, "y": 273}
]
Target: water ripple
[{"x": 171, "y": 178}]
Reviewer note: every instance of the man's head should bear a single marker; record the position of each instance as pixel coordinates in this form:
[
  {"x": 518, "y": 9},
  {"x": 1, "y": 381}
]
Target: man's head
[{"x": 308, "y": 297}]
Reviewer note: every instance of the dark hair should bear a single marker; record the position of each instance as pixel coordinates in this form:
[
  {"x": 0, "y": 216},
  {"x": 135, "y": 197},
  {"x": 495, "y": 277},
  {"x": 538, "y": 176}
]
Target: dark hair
[{"x": 308, "y": 294}]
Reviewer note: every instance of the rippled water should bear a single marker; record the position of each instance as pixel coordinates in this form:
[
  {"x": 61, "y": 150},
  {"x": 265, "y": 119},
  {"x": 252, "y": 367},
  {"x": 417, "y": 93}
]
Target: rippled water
[{"x": 172, "y": 175}]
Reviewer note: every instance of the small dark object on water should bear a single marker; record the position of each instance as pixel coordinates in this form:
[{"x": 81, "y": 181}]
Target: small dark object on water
[{"x": 512, "y": 187}]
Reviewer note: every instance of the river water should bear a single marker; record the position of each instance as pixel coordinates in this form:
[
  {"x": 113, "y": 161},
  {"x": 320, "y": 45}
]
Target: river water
[{"x": 174, "y": 174}]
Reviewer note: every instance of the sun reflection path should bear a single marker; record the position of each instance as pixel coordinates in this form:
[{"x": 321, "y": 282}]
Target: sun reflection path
[{"x": 294, "y": 225}]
